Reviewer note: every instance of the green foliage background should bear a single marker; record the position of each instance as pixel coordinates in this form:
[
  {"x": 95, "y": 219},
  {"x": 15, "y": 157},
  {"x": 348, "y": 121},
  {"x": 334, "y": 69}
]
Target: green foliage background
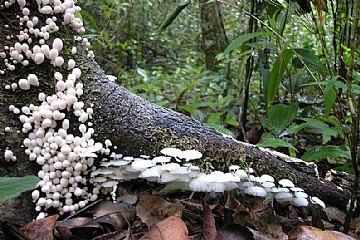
[{"x": 297, "y": 88}]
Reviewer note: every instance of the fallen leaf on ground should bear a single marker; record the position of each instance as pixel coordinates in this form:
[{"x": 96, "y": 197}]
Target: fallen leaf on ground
[
  {"x": 209, "y": 227},
  {"x": 41, "y": 229},
  {"x": 312, "y": 233},
  {"x": 335, "y": 214},
  {"x": 236, "y": 231},
  {"x": 64, "y": 227},
  {"x": 107, "y": 207},
  {"x": 152, "y": 209},
  {"x": 171, "y": 228},
  {"x": 108, "y": 217}
]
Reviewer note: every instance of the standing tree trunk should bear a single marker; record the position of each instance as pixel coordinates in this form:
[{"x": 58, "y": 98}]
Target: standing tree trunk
[
  {"x": 133, "y": 125},
  {"x": 213, "y": 32}
]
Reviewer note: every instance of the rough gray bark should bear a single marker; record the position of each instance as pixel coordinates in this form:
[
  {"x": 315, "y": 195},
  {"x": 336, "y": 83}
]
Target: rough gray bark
[
  {"x": 136, "y": 127},
  {"x": 213, "y": 32}
]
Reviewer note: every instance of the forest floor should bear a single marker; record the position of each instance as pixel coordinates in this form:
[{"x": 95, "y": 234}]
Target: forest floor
[{"x": 144, "y": 210}]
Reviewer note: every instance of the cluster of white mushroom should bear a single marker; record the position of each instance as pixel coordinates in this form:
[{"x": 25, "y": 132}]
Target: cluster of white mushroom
[
  {"x": 66, "y": 158},
  {"x": 176, "y": 166},
  {"x": 32, "y": 38}
]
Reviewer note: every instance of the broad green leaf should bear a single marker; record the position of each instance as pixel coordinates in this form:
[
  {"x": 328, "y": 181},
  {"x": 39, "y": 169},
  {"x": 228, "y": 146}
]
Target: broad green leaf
[
  {"x": 310, "y": 59},
  {"x": 329, "y": 97},
  {"x": 319, "y": 127},
  {"x": 275, "y": 143},
  {"x": 171, "y": 17},
  {"x": 198, "y": 115},
  {"x": 13, "y": 186},
  {"x": 214, "y": 118},
  {"x": 186, "y": 108},
  {"x": 230, "y": 119},
  {"x": 177, "y": 186},
  {"x": 318, "y": 153},
  {"x": 241, "y": 40},
  {"x": 271, "y": 86},
  {"x": 281, "y": 115},
  {"x": 298, "y": 80},
  {"x": 294, "y": 128},
  {"x": 90, "y": 18}
]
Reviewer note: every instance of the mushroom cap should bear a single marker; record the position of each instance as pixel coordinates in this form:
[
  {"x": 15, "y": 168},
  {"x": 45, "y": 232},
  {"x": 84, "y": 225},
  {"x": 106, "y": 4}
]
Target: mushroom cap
[
  {"x": 286, "y": 183},
  {"x": 180, "y": 171},
  {"x": 267, "y": 178},
  {"x": 301, "y": 194},
  {"x": 199, "y": 184},
  {"x": 161, "y": 159},
  {"x": 255, "y": 191},
  {"x": 317, "y": 201},
  {"x": 151, "y": 172},
  {"x": 268, "y": 184},
  {"x": 108, "y": 184},
  {"x": 172, "y": 152},
  {"x": 231, "y": 177},
  {"x": 296, "y": 189},
  {"x": 190, "y": 155},
  {"x": 170, "y": 166},
  {"x": 141, "y": 164},
  {"x": 87, "y": 154},
  {"x": 216, "y": 176},
  {"x": 283, "y": 196},
  {"x": 300, "y": 201},
  {"x": 168, "y": 177}
]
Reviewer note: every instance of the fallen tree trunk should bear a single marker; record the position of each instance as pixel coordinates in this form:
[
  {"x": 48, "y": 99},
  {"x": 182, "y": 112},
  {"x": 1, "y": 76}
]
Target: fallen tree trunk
[{"x": 132, "y": 124}]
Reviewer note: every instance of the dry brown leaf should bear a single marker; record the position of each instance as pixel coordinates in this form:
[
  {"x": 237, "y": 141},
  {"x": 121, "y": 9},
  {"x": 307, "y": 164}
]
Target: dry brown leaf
[
  {"x": 152, "y": 209},
  {"x": 64, "y": 227},
  {"x": 209, "y": 227},
  {"x": 108, "y": 217},
  {"x": 41, "y": 229},
  {"x": 171, "y": 228},
  {"x": 335, "y": 214},
  {"x": 107, "y": 207},
  {"x": 312, "y": 233},
  {"x": 236, "y": 231}
]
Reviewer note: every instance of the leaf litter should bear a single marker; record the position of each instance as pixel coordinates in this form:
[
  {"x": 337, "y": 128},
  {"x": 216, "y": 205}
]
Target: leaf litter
[{"x": 179, "y": 214}]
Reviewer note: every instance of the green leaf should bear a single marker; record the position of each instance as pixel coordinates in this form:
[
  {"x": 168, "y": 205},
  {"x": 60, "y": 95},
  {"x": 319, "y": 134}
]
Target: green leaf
[
  {"x": 177, "y": 186},
  {"x": 230, "y": 119},
  {"x": 298, "y": 80},
  {"x": 171, "y": 17},
  {"x": 275, "y": 143},
  {"x": 13, "y": 186},
  {"x": 214, "y": 118},
  {"x": 319, "y": 127},
  {"x": 281, "y": 115},
  {"x": 186, "y": 108},
  {"x": 318, "y": 153},
  {"x": 271, "y": 85},
  {"x": 310, "y": 59},
  {"x": 241, "y": 40},
  {"x": 294, "y": 128},
  {"x": 90, "y": 18},
  {"x": 329, "y": 98}
]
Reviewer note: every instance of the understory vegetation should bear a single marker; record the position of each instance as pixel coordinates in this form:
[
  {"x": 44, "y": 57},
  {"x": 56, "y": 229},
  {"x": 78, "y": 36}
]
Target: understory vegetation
[{"x": 288, "y": 77}]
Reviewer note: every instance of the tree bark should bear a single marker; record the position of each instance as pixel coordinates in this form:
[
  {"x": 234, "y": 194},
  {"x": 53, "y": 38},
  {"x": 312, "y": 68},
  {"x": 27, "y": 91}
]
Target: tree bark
[
  {"x": 135, "y": 126},
  {"x": 213, "y": 32}
]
